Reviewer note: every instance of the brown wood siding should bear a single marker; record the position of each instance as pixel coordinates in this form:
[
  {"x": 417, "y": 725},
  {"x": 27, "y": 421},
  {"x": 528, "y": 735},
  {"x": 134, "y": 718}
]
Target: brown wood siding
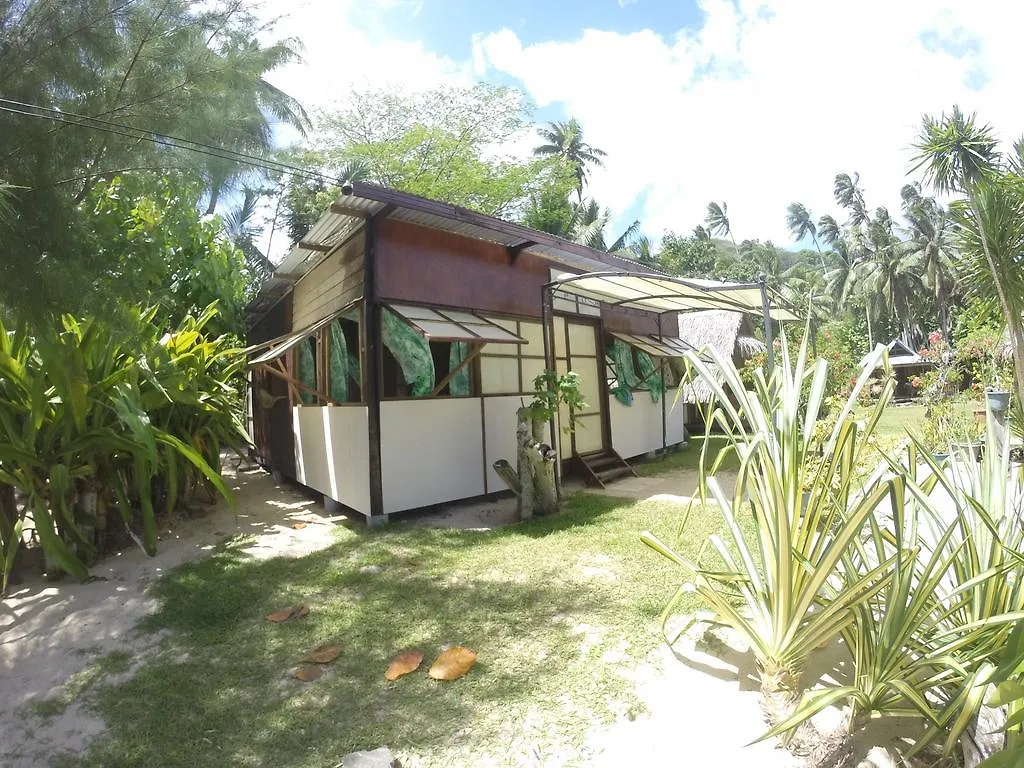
[
  {"x": 272, "y": 429},
  {"x": 331, "y": 285},
  {"x": 630, "y": 321},
  {"x": 423, "y": 265}
]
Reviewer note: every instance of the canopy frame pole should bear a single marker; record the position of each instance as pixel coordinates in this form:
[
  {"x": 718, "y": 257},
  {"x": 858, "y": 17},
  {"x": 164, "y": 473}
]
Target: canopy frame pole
[
  {"x": 769, "y": 342},
  {"x": 548, "y": 323}
]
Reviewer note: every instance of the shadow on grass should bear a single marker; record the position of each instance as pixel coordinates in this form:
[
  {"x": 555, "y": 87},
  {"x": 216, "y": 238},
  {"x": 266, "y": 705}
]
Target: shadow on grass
[{"x": 219, "y": 690}]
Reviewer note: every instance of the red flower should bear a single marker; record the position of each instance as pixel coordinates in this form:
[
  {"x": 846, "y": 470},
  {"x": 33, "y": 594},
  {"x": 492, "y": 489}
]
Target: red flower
[{"x": 934, "y": 337}]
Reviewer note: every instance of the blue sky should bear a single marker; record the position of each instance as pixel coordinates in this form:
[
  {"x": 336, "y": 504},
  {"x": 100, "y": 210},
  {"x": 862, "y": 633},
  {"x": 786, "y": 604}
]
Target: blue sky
[
  {"x": 757, "y": 103},
  {"x": 449, "y": 25}
]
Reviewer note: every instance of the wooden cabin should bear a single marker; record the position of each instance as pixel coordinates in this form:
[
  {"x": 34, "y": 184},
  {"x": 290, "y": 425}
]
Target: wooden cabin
[{"x": 394, "y": 344}]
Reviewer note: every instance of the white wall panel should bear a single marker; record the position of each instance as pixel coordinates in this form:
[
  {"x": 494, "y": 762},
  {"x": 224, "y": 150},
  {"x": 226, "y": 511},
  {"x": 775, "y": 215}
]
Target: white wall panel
[
  {"x": 332, "y": 453},
  {"x": 675, "y": 417},
  {"x": 636, "y": 428},
  {"x": 500, "y": 432},
  {"x": 430, "y": 451}
]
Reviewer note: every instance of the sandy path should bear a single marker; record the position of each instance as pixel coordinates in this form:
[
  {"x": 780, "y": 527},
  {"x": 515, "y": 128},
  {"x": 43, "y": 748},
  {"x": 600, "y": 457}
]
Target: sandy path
[{"x": 51, "y": 631}]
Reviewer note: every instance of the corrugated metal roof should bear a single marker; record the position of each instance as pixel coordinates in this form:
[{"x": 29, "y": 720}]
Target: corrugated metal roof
[{"x": 360, "y": 201}]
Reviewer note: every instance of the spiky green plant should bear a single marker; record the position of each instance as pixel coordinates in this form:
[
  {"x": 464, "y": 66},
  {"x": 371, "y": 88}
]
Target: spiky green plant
[{"x": 807, "y": 513}]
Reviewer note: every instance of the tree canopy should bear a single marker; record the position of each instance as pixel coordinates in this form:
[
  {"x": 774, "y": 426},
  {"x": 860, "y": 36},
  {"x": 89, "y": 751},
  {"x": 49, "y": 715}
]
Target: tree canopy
[{"x": 85, "y": 84}]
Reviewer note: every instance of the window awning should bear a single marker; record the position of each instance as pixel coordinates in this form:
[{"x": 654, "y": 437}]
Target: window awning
[
  {"x": 661, "y": 293},
  {"x": 285, "y": 343},
  {"x": 664, "y": 347},
  {"x": 454, "y": 325}
]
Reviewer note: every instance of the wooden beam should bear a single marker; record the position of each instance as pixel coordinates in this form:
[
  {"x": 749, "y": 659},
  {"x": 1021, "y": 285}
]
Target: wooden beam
[
  {"x": 345, "y": 210},
  {"x": 318, "y": 247},
  {"x": 515, "y": 250},
  {"x": 372, "y": 372},
  {"x": 454, "y": 372},
  {"x": 293, "y": 382}
]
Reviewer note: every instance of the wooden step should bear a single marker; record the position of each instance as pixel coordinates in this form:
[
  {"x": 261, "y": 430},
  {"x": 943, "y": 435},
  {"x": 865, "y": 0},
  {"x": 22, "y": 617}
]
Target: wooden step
[
  {"x": 599, "y": 469},
  {"x": 613, "y": 474}
]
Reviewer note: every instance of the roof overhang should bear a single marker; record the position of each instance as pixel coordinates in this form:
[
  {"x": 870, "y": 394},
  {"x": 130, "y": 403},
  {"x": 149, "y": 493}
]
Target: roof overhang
[{"x": 360, "y": 202}]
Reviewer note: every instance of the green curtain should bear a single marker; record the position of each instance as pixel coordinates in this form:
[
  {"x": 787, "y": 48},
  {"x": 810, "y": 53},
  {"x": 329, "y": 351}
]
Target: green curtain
[
  {"x": 344, "y": 365},
  {"x": 459, "y": 384},
  {"x": 629, "y": 380},
  {"x": 307, "y": 369},
  {"x": 622, "y": 361},
  {"x": 411, "y": 351},
  {"x": 651, "y": 374}
]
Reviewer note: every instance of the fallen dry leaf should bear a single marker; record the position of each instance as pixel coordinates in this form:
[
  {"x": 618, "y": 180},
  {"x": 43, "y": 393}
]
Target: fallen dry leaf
[
  {"x": 299, "y": 526},
  {"x": 295, "y": 612},
  {"x": 403, "y": 664},
  {"x": 325, "y": 654},
  {"x": 453, "y": 663},
  {"x": 308, "y": 673}
]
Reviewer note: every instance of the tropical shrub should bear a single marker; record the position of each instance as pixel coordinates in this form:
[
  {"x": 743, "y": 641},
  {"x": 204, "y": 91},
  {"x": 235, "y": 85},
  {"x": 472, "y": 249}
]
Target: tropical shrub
[
  {"x": 807, "y": 505},
  {"x": 96, "y": 419},
  {"x": 947, "y": 423},
  {"x": 917, "y": 564}
]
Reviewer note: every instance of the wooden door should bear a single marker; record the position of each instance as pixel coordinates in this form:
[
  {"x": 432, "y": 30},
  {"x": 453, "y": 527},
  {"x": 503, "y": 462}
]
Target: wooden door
[{"x": 578, "y": 349}]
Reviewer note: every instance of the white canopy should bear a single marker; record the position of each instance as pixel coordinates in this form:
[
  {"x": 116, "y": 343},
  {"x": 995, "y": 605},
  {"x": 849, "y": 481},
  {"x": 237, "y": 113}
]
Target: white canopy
[{"x": 661, "y": 293}]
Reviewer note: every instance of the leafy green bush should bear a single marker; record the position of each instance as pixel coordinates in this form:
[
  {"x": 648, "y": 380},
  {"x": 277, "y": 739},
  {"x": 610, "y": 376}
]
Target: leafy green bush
[
  {"x": 947, "y": 423},
  {"x": 96, "y": 418}
]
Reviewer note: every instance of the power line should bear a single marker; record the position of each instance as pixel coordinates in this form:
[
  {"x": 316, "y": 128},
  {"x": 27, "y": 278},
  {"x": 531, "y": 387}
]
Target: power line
[{"x": 174, "y": 142}]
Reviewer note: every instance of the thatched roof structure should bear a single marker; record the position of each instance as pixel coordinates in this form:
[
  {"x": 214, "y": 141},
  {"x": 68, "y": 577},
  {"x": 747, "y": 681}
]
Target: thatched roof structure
[{"x": 728, "y": 333}]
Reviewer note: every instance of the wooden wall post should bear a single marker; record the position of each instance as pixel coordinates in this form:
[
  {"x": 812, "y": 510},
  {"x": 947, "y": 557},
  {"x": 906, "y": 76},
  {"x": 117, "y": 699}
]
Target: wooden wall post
[{"x": 372, "y": 371}]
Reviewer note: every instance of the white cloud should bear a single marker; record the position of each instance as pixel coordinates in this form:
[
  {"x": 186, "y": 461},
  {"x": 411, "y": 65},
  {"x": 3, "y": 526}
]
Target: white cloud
[
  {"x": 764, "y": 103},
  {"x": 345, "y": 46},
  {"x": 759, "y": 105}
]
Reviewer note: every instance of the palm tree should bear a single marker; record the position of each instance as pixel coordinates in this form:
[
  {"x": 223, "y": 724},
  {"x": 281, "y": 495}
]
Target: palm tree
[
  {"x": 240, "y": 228},
  {"x": 828, "y": 229},
  {"x": 850, "y": 196},
  {"x": 930, "y": 247},
  {"x": 243, "y": 119},
  {"x": 587, "y": 227},
  {"x": 800, "y": 224},
  {"x": 959, "y": 155},
  {"x": 889, "y": 282},
  {"x": 565, "y": 140},
  {"x": 717, "y": 221}
]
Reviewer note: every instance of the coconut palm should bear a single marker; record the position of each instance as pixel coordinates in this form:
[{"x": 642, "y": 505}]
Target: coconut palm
[
  {"x": 717, "y": 222},
  {"x": 565, "y": 140},
  {"x": 587, "y": 227},
  {"x": 930, "y": 247},
  {"x": 960, "y": 155},
  {"x": 849, "y": 195},
  {"x": 889, "y": 282},
  {"x": 828, "y": 229},
  {"x": 240, "y": 227},
  {"x": 801, "y": 225}
]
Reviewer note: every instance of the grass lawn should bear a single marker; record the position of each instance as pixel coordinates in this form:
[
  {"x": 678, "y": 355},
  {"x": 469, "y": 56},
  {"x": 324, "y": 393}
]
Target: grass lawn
[
  {"x": 896, "y": 420},
  {"x": 558, "y": 611},
  {"x": 687, "y": 458}
]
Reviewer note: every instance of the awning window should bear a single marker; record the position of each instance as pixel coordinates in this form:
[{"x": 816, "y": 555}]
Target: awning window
[
  {"x": 665, "y": 347},
  {"x": 454, "y": 325},
  {"x": 286, "y": 343}
]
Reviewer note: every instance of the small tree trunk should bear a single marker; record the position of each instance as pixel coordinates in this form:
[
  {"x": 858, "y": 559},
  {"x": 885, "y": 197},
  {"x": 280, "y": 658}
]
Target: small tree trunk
[
  {"x": 524, "y": 468},
  {"x": 546, "y": 492}
]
